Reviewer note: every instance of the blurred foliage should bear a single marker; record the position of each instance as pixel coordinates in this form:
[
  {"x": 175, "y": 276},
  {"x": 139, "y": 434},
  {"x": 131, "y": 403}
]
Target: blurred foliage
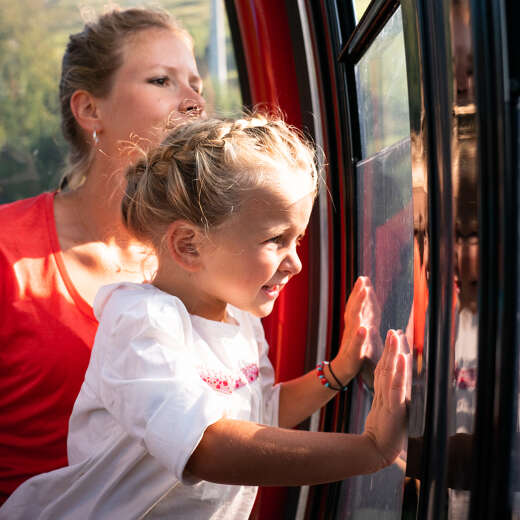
[{"x": 33, "y": 35}]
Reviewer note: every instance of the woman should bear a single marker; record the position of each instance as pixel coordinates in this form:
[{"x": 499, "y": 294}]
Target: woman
[{"x": 123, "y": 78}]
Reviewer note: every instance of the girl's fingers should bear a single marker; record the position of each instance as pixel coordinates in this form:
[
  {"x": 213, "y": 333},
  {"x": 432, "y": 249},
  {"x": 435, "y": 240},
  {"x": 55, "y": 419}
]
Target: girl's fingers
[
  {"x": 355, "y": 302},
  {"x": 386, "y": 366},
  {"x": 398, "y": 389}
]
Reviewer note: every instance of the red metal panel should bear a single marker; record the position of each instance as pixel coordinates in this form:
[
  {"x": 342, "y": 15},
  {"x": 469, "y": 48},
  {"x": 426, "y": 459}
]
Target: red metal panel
[{"x": 271, "y": 72}]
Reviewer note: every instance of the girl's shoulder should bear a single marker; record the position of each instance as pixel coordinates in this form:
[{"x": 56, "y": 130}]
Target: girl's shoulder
[{"x": 121, "y": 301}]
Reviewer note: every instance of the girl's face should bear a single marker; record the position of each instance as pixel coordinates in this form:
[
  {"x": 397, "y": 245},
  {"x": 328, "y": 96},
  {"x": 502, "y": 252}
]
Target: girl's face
[
  {"x": 157, "y": 82},
  {"x": 251, "y": 257}
]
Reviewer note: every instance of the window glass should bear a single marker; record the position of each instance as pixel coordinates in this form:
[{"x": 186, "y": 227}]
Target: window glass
[
  {"x": 385, "y": 242},
  {"x": 360, "y": 6},
  {"x": 32, "y": 149},
  {"x": 382, "y": 92},
  {"x": 385, "y": 231}
]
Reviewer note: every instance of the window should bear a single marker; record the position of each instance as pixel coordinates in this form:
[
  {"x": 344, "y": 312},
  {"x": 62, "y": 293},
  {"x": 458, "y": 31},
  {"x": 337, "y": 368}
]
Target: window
[{"x": 385, "y": 237}]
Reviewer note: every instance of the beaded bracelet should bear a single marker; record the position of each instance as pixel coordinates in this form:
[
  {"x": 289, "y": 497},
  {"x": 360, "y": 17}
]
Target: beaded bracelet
[{"x": 323, "y": 379}]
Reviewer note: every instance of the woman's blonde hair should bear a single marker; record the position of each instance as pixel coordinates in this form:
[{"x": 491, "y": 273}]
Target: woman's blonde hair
[
  {"x": 90, "y": 61},
  {"x": 203, "y": 168}
]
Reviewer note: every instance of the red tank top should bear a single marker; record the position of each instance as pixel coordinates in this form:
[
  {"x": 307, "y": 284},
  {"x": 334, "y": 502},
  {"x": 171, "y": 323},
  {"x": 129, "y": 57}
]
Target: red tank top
[{"x": 46, "y": 334}]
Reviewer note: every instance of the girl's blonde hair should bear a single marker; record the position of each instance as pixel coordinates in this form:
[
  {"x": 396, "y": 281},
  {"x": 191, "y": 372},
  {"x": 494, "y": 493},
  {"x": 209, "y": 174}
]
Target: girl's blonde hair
[
  {"x": 203, "y": 169},
  {"x": 90, "y": 61}
]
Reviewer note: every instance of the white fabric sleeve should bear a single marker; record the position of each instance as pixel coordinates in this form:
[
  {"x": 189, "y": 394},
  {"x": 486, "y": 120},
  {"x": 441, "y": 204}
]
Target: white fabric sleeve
[
  {"x": 147, "y": 381},
  {"x": 270, "y": 391}
]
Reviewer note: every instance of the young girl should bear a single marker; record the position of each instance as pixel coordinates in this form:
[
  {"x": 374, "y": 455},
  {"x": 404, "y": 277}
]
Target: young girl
[{"x": 178, "y": 416}]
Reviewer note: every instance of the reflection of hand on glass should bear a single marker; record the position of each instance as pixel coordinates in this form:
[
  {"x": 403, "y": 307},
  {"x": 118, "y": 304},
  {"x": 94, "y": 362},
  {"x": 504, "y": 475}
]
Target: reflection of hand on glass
[{"x": 361, "y": 339}]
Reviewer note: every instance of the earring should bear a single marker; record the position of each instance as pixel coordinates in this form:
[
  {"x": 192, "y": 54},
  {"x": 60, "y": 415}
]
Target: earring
[{"x": 95, "y": 137}]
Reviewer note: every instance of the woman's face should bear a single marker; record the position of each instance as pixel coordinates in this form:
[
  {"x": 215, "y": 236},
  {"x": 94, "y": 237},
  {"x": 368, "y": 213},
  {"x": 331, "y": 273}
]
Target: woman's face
[{"x": 157, "y": 82}]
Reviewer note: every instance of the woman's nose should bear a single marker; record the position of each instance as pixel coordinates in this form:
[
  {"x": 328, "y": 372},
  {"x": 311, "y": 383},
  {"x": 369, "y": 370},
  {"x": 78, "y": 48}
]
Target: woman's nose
[{"x": 192, "y": 103}]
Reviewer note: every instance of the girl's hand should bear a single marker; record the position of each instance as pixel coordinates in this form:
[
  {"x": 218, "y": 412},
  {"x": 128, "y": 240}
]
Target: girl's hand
[
  {"x": 361, "y": 339},
  {"x": 386, "y": 422}
]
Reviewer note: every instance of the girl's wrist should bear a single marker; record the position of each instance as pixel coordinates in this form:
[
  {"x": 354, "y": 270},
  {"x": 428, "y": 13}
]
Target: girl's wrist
[
  {"x": 328, "y": 377},
  {"x": 377, "y": 460},
  {"x": 339, "y": 371}
]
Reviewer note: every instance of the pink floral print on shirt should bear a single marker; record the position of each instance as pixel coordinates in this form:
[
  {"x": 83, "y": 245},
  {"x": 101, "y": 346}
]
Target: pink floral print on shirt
[{"x": 227, "y": 382}]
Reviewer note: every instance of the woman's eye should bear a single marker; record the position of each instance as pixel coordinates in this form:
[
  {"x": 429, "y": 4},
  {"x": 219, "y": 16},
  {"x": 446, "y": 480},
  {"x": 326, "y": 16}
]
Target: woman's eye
[
  {"x": 162, "y": 81},
  {"x": 197, "y": 89}
]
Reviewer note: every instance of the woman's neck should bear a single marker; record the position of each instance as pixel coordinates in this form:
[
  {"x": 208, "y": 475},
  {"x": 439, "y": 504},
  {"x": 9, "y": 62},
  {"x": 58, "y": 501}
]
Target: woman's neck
[{"x": 92, "y": 212}]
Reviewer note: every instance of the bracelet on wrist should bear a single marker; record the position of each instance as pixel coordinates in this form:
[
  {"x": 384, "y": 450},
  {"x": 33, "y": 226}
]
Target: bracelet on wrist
[
  {"x": 341, "y": 385},
  {"x": 325, "y": 382}
]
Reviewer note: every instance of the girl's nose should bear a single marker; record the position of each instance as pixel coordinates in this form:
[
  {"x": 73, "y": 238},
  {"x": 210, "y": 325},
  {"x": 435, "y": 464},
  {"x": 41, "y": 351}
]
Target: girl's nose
[{"x": 291, "y": 263}]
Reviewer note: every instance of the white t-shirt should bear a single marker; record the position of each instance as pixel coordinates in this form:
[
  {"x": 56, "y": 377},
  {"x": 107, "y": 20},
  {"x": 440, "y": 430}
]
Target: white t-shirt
[{"x": 157, "y": 378}]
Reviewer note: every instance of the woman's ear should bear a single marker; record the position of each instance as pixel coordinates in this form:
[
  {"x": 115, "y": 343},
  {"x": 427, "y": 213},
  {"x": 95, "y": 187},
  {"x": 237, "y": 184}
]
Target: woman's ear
[
  {"x": 83, "y": 106},
  {"x": 184, "y": 240}
]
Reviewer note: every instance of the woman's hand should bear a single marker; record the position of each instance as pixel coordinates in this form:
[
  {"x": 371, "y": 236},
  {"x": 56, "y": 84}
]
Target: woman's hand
[
  {"x": 386, "y": 422},
  {"x": 361, "y": 339}
]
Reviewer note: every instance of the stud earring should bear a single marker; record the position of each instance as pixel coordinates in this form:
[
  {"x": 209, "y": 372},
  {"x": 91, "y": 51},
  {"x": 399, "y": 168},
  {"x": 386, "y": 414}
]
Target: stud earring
[{"x": 95, "y": 137}]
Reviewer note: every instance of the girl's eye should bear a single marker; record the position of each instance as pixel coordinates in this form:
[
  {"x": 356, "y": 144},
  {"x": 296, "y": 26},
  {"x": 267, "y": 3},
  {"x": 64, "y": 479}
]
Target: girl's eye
[
  {"x": 197, "y": 89},
  {"x": 275, "y": 240},
  {"x": 161, "y": 81}
]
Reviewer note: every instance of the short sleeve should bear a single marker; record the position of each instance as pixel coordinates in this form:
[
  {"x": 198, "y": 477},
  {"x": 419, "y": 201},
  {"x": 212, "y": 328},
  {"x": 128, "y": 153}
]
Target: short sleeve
[{"x": 148, "y": 382}]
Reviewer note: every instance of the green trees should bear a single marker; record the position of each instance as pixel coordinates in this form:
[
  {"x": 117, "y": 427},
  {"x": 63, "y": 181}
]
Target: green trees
[
  {"x": 33, "y": 35},
  {"x": 30, "y": 149}
]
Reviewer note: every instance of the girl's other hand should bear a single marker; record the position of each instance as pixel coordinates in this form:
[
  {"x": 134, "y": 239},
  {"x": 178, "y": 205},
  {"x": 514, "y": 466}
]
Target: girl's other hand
[
  {"x": 361, "y": 339},
  {"x": 386, "y": 422}
]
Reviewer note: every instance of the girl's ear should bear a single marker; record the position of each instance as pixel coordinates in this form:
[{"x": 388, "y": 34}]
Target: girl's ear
[
  {"x": 184, "y": 240},
  {"x": 83, "y": 106}
]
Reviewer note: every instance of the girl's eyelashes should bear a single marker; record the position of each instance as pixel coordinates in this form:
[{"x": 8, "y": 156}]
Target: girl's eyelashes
[{"x": 278, "y": 239}]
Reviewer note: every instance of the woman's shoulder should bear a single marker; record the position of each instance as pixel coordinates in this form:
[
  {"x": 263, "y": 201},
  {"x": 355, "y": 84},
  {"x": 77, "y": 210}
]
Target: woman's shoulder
[
  {"x": 26, "y": 208},
  {"x": 24, "y": 217},
  {"x": 25, "y": 230}
]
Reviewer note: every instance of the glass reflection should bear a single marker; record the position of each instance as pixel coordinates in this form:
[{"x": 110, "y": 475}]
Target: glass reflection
[
  {"x": 463, "y": 356},
  {"x": 385, "y": 240},
  {"x": 386, "y": 256},
  {"x": 382, "y": 91},
  {"x": 421, "y": 264}
]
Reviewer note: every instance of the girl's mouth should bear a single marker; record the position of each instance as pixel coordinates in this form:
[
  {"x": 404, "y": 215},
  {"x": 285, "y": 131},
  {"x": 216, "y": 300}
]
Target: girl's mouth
[{"x": 272, "y": 291}]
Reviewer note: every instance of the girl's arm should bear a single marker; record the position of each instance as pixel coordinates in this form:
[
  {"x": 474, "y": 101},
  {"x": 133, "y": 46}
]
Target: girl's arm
[
  {"x": 301, "y": 397},
  {"x": 239, "y": 452}
]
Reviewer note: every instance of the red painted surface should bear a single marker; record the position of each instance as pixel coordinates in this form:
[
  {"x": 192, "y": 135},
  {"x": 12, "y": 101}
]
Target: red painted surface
[{"x": 272, "y": 78}]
